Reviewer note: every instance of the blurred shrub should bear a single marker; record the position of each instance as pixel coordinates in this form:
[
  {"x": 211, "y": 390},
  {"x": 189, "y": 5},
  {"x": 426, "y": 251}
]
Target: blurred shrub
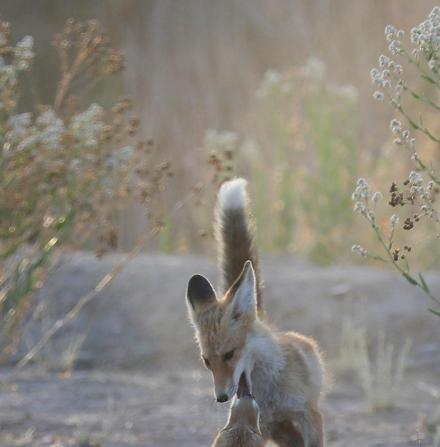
[
  {"x": 379, "y": 372},
  {"x": 411, "y": 229},
  {"x": 66, "y": 170},
  {"x": 299, "y": 153},
  {"x": 381, "y": 377}
]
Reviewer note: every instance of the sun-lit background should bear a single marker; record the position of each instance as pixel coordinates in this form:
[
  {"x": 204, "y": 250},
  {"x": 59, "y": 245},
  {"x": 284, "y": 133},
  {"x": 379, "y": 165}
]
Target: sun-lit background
[
  {"x": 283, "y": 85},
  {"x": 119, "y": 120}
]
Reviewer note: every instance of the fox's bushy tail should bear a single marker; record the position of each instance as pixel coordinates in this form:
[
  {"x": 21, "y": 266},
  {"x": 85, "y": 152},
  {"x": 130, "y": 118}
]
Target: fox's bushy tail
[{"x": 234, "y": 232}]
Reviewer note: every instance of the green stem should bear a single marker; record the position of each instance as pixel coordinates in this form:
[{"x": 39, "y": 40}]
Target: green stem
[
  {"x": 421, "y": 97},
  {"x": 428, "y": 170},
  {"x": 405, "y": 273},
  {"x": 413, "y": 124}
]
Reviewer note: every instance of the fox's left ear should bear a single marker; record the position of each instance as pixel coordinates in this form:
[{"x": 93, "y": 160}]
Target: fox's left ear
[{"x": 242, "y": 295}]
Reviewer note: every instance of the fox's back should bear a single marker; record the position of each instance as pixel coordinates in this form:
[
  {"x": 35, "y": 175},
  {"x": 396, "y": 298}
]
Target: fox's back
[{"x": 304, "y": 369}]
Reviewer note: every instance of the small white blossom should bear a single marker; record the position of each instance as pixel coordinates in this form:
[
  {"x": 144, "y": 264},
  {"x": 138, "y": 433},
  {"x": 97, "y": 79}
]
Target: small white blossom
[
  {"x": 50, "y": 129},
  {"x": 384, "y": 61},
  {"x": 379, "y": 96},
  {"x": 398, "y": 69},
  {"x": 415, "y": 178},
  {"x": 394, "y": 220},
  {"x": 23, "y": 53},
  {"x": 377, "y": 197},
  {"x": 359, "y": 250},
  {"x": 88, "y": 126},
  {"x": 360, "y": 208},
  {"x": 395, "y": 47},
  {"x": 396, "y": 126}
]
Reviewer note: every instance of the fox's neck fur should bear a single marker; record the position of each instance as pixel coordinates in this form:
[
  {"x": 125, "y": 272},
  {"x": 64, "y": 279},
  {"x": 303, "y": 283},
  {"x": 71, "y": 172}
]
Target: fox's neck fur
[{"x": 267, "y": 358}]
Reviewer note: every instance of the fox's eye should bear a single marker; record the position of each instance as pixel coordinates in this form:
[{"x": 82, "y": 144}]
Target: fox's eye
[
  {"x": 206, "y": 362},
  {"x": 228, "y": 355}
]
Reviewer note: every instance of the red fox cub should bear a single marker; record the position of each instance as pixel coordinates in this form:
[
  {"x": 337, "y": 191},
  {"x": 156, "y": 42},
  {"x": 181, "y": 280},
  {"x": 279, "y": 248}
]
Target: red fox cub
[
  {"x": 243, "y": 427},
  {"x": 283, "y": 370}
]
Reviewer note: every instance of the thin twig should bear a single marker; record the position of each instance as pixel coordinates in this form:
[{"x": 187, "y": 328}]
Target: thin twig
[{"x": 85, "y": 299}]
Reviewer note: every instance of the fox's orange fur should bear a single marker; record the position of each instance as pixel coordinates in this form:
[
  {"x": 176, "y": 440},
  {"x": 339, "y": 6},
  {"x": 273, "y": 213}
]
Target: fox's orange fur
[{"x": 284, "y": 370}]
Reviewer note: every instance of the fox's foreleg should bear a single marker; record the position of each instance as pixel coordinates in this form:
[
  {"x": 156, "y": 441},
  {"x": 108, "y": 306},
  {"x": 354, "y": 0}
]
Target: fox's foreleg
[{"x": 304, "y": 429}]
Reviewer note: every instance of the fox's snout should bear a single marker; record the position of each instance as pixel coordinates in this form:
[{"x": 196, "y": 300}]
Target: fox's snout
[
  {"x": 241, "y": 388},
  {"x": 223, "y": 391}
]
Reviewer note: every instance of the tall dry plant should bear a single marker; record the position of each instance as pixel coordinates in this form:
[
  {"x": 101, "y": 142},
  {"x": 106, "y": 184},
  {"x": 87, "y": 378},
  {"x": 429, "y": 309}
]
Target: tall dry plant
[{"x": 66, "y": 170}]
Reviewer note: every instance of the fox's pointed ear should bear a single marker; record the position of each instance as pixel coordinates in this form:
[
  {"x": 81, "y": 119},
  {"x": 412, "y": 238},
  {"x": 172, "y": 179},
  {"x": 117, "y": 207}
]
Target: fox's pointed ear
[
  {"x": 242, "y": 295},
  {"x": 199, "y": 294}
]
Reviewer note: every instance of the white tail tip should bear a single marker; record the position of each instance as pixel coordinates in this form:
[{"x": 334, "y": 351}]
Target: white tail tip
[{"x": 232, "y": 194}]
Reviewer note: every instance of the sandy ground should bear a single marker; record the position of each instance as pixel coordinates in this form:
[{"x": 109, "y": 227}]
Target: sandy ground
[{"x": 138, "y": 380}]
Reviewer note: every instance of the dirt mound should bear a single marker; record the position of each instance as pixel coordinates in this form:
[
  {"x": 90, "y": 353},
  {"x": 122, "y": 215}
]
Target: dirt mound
[{"x": 140, "y": 320}]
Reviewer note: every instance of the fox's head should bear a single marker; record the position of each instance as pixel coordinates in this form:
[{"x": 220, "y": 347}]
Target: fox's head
[
  {"x": 243, "y": 428},
  {"x": 222, "y": 326},
  {"x": 246, "y": 412}
]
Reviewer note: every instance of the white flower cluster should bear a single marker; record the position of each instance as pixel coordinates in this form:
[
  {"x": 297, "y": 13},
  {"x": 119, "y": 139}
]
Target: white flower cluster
[
  {"x": 88, "y": 126},
  {"x": 415, "y": 181},
  {"x": 362, "y": 191},
  {"x": 402, "y": 136},
  {"x": 23, "y": 133},
  {"x": 360, "y": 250},
  {"x": 423, "y": 194},
  {"x": 394, "y": 220},
  {"x": 272, "y": 83},
  {"x": 382, "y": 77},
  {"x": 47, "y": 130},
  {"x": 23, "y": 53},
  {"x": 221, "y": 140},
  {"x": 19, "y": 125},
  {"x": 50, "y": 129},
  {"x": 361, "y": 196},
  {"x": 426, "y": 37},
  {"x": 394, "y": 37}
]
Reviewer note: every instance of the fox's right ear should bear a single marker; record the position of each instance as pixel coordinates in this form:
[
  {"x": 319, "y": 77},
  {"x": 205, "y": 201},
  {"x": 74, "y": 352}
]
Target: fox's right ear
[{"x": 199, "y": 294}]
